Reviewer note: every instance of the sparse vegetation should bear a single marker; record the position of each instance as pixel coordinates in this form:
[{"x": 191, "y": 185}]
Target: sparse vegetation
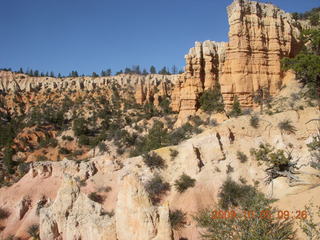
[
  {"x": 173, "y": 153},
  {"x": 230, "y": 169},
  {"x": 211, "y": 100},
  {"x": 153, "y": 160},
  {"x": 308, "y": 224},
  {"x": 177, "y": 219},
  {"x": 314, "y": 148},
  {"x": 287, "y": 127},
  {"x": 236, "y": 108},
  {"x": 184, "y": 182},
  {"x": 242, "y": 157},
  {"x": 156, "y": 187},
  {"x": 96, "y": 197},
  {"x": 4, "y": 214},
  {"x": 279, "y": 162},
  {"x": 254, "y": 121},
  {"x": 33, "y": 231},
  {"x": 236, "y": 199}
]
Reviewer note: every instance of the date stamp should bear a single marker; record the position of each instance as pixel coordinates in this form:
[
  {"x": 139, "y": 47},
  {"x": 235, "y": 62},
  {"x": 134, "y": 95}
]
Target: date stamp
[{"x": 263, "y": 214}]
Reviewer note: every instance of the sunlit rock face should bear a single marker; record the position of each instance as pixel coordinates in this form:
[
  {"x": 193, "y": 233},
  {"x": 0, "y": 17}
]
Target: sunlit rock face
[{"x": 260, "y": 35}]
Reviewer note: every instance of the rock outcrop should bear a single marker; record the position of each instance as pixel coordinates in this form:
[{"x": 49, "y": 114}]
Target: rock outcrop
[
  {"x": 136, "y": 217},
  {"x": 147, "y": 88},
  {"x": 202, "y": 71},
  {"x": 74, "y": 216},
  {"x": 260, "y": 35}
]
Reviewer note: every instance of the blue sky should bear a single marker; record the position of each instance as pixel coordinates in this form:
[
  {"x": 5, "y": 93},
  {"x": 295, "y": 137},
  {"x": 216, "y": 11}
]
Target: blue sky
[{"x": 91, "y": 35}]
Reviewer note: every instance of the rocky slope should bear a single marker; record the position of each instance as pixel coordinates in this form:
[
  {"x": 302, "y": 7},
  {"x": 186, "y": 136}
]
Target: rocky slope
[
  {"x": 69, "y": 213},
  {"x": 72, "y": 171}
]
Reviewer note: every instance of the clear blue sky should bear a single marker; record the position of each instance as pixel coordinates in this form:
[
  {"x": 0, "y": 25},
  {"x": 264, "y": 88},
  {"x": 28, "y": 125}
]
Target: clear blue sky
[{"x": 90, "y": 35}]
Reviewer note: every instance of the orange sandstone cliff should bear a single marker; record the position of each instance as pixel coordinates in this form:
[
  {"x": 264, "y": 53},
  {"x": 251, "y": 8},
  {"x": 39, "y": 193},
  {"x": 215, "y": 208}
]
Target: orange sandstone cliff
[{"x": 260, "y": 35}]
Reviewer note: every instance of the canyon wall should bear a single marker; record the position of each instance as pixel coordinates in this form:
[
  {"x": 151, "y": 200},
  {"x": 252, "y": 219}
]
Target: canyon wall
[
  {"x": 260, "y": 35},
  {"x": 145, "y": 88}
]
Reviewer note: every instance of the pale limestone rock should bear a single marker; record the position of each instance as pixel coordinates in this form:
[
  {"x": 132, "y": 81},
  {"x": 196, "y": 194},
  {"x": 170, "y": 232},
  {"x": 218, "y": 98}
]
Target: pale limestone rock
[
  {"x": 24, "y": 206},
  {"x": 74, "y": 216},
  {"x": 136, "y": 217}
]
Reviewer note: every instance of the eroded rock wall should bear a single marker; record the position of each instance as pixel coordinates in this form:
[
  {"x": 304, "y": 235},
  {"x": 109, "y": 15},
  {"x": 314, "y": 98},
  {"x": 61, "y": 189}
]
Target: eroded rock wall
[
  {"x": 202, "y": 71},
  {"x": 260, "y": 35}
]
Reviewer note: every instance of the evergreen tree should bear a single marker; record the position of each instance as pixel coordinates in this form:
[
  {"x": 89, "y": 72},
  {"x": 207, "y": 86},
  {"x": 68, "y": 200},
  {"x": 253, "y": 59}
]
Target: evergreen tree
[
  {"x": 59, "y": 75},
  {"x": 94, "y": 75},
  {"x": 236, "y": 108},
  {"x": 31, "y": 72},
  {"x": 36, "y": 73},
  {"x": 20, "y": 70},
  {"x": 108, "y": 72},
  {"x": 306, "y": 63},
  {"x": 120, "y": 72},
  {"x": 74, "y": 74},
  {"x": 144, "y": 72},
  {"x": 51, "y": 74},
  {"x": 127, "y": 70},
  {"x": 136, "y": 69},
  {"x": 164, "y": 71},
  {"x": 174, "y": 69},
  {"x": 211, "y": 100},
  {"x": 153, "y": 70}
]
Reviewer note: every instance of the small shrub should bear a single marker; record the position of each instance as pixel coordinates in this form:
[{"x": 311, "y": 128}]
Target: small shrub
[
  {"x": 102, "y": 147},
  {"x": 153, "y": 160},
  {"x": 156, "y": 187},
  {"x": 64, "y": 151},
  {"x": 233, "y": 194},
  {"x": 109, "y": 213},
  {"x": 196, "y": 120},
  {"x": 286, "y": 126},
  {"x": 211, "y": 100},
  {"x": 105, "y": 189},
  {"x": 242, "y": 180},
  {"x": 84, "y": 140},
  {"x": 230, "y": 169},
  {"x": 96, "y": 197},
  {"x": 42, "y": 158},
  {"x": 33, "y": 231},
  {"x": 254, "y": 121},
  {"x": 184, "y": 182},
  {"x": 242, "y": 157},
  {"x": 4, "y": 214},
  {"x": 67, "y": 138},
  {"x": 41, "y": 203},
  {"x": 238, "y": 198},
  {"x": 177, "y": 219},
  {"x": 120, "y": 151},
  {"x": 236, "y": 108},
  {"x": 81, "y": 182},
  {"x": 173, "y": 153}
]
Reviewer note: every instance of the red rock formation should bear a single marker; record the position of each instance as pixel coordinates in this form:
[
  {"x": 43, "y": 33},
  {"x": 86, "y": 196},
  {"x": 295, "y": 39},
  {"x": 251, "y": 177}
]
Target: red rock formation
[
  {"x": 202, "y": 71},
  {"x": 260, "y": 35}
]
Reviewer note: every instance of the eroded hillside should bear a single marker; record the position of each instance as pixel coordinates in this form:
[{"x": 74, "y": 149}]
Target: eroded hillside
[{"x": 151, "y": 157}]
